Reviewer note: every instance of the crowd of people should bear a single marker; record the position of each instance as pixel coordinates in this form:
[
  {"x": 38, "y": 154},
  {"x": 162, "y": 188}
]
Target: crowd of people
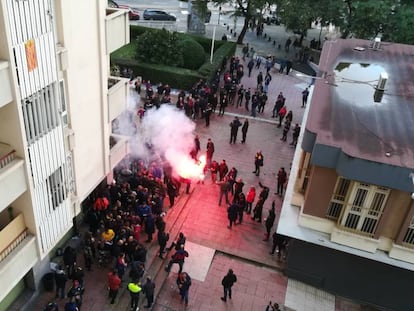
[{"x": 124, "y": 216}]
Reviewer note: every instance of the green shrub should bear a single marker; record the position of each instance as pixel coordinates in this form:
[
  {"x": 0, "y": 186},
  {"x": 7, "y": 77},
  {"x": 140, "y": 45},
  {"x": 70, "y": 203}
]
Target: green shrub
[
  {"x": 192, "y": 53},
  {"x": 135, "y": 31},
  {"x": 159, "y": 47}
]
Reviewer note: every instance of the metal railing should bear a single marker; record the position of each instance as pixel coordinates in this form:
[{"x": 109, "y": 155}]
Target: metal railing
[{"x": 7, "y": 155}]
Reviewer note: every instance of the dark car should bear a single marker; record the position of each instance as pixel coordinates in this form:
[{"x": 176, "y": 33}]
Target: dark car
[
  {"x": 133, "y": 14},
  {"x": 158, "y": 15}
]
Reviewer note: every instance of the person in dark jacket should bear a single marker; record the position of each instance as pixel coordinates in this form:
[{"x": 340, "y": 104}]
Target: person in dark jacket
[
  {"x": 60, "y": 280},
  {"x": 232, "y": 212},
  {"x": 234, "y": 129},
  {"x": 270, "y": 220},
  {"x": 244, "y": 129},
  {"x": 258, "y": 162},
  {"x": 177, "y": 244},
  {"x": 163, "y": 238},
  {"x": 149, "y": 227},
  {"x": 179, "y": 258},
  {"x": 227, "y": 282},
  {"x": 184, "y": 283},
  {"x": 148, "y": 290}
]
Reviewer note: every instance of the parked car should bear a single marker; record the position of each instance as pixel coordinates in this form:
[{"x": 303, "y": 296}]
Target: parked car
[
  {"x": 132, "y": 13},
  {"x": 158, "y": 15}
]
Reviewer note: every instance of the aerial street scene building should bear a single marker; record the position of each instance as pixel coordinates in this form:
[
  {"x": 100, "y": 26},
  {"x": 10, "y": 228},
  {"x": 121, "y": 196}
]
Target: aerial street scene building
[{"x": 206, "y": 155}]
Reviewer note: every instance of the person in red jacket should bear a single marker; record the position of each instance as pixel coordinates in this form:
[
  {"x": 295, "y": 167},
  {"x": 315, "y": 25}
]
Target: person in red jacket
[
  {"x": 114, "y": 282},
  {"x": 251, "y": 195}
]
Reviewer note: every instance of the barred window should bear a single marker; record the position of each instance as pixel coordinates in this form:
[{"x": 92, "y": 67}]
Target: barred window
[
  {"x": 409, "y": 235},
  {"x": 56, "y": 185},
  {"x": 338, "y": 198},
  {"x": 40, "y": 113}
]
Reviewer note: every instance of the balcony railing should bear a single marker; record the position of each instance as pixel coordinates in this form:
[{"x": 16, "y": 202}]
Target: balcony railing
[
  {"x": 12, "y": 176},
  {"x": 117, "y": 29},
  {"x": 6, "y": 95},
  {"x": 7, "y": 155},
  {"x": 118, "y": 93},
  {"x": 12, "y": 235},
  {"x": 118, "y": 149}
]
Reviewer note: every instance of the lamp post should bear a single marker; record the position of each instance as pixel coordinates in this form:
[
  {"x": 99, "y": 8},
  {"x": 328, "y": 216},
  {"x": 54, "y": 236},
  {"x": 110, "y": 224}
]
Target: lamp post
[{"x": 212, "y": 44}]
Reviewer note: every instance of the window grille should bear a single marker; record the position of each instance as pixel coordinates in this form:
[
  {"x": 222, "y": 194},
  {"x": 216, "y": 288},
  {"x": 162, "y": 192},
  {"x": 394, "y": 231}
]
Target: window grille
[
  {"x": 338, "y": 198},
  {"x": 56, "y": 186},
  {"x": 409, "y": 235}
]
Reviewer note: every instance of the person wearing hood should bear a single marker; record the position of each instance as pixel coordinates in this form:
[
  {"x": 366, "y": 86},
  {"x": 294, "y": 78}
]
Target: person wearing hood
[{"x": 60, "y": 280}]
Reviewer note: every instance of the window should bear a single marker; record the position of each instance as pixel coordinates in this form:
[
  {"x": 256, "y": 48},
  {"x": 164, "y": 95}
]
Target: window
[
  {"x": 40, "y": 113},
  {"x": 63, "y": 107},
  {"x": 338, "y": 198},
  {"x": 409, "y": 235},
  {"x": 56, "y": 187},
  {"x": 364, "y": 207}
]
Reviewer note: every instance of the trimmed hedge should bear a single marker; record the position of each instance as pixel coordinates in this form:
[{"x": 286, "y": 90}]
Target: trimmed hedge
[
  {"x": 178, "y": 78},
  {"x": 193, "y": 54}
]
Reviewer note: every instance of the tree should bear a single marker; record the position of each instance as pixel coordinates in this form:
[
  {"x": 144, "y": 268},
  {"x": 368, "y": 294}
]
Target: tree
[{"x": 247, "y": 9}]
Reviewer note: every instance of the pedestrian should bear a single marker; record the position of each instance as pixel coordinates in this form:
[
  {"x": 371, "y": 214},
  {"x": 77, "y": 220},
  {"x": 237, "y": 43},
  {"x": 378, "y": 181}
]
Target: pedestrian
[
  {"x": 250, "y": 66},
  {"x": 184, "y": 283},
  {"x": 245, "y": 51},
  {"x": 209, "y": 152},
  {"x": 223, "y": 104},
  {"x": 238, "y": 188},
  {"x": 163, "y": 238},
  {"x": 114, "y": 283},
  {"x": 270, "y": 220},
  {"x": 285, "y": 130},
  {"x": 240, "y": 97},
  {"x": 281, "y": 180},
  {"x": 148, "y": 289},
  {"x": 295, "y": 135},
  {"x": 207, "y": 113},
  {"x": 234, "y": 129},
  {"x": 247, "y": 96},
  {"x": 288, "y": 66},
  {"x": 178, "y": 258},
  {"x": 258, "y": 162},
  {"x": 60, "y": 280},
  {"x": 177, "y": 244},
  {"x": 259, "y": 79},
  {"x": 88, "y": 249},
  {"x": 280, "y": 102},
  {"x": 287, "y": 44},
  {"x": 134, "y": 289},
  {"x": 267, "y": 80},
  {"x": 228, "y": 282},
  {"x": 244, "y": 129},
  {"x": 282, "y": 114},
  {"x": 121, "y": 265},
  {"x": 223, "y": 169},
  {"x": 279, "y": 242},
  {"x": 232, "y": 212},
  {"x": 289, "y": 116},
  {"x": 213, "y": 171},
  {"x": 258, "y": 209},
  {"x": 75, "y": 293},
  {"x": 241, "y": 206},
  {"x": 149, "y": 227},
  {"x": 251, "y": 195},
  {"x": 305, "y": 94},
  {"x": 171, "y": 191},
  {"x": 232, "y": 178},
  {"x": 224, "y": 190}
]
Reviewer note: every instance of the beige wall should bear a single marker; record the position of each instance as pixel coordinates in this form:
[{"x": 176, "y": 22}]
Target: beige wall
[
  {"x": 82, "y": 34},
  {"x": 319, "y": 191},
  {"x": 394, "y": 214}
]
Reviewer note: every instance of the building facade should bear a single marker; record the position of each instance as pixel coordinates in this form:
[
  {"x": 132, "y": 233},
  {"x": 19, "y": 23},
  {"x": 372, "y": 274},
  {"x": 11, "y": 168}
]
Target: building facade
[
  {"x": 349, "y": 204},
  {"x": 57, "y": 103}
]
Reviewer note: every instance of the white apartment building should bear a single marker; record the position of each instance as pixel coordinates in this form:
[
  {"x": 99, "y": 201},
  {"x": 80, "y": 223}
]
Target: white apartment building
[{"x": 56, "y": 108}]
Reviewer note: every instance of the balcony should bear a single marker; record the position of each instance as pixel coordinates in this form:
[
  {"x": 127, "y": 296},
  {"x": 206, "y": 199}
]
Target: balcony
[
  {"x": 119, "y": 148},
  {"x": 401, "y": 252},
  {"x": 18, "y": 252},
  {"x": 118, "y": 93},
  {"x": 5, "y": 84},
  {"x": 117, "y": 29},
  {"x": 12, "y": 176}
]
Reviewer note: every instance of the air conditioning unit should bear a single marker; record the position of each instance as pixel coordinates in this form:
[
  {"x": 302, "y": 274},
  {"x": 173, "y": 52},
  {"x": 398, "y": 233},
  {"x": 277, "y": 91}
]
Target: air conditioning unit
[
  {"x": 382, "y": 81},
  {"x": 376, "y": 44}
]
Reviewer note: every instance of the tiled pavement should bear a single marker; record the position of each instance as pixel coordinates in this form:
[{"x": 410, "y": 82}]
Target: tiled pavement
[{"x": 198, "y": 215}]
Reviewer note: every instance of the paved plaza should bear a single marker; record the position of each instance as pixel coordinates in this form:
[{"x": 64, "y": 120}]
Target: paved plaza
[{"x": 212, "y": 246}]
